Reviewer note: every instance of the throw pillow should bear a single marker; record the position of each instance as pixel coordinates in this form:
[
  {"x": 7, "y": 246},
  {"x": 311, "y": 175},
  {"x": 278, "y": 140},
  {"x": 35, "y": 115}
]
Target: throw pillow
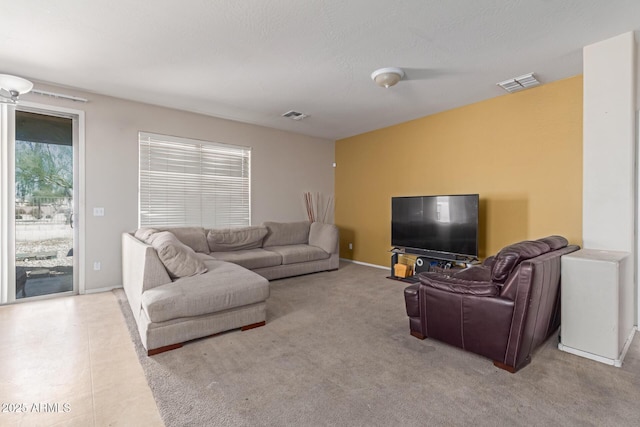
[
  {"x": 179, "y": 259},
  {"x": 144, "y": 234}
]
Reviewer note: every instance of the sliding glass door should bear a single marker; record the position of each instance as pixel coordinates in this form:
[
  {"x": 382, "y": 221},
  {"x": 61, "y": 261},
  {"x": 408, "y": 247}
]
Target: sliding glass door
[
  {"x": 44, "y": 204},
  {"x": 39, "y": 197}
]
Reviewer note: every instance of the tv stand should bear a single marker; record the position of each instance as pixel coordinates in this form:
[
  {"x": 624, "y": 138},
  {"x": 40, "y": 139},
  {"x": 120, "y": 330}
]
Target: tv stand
[
  {"x": 410, "y": 279},
  {"x": 446, "y": 261}
]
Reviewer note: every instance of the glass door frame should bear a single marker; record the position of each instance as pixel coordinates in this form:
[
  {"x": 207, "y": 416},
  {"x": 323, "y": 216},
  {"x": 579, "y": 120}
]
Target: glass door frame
[{"x": 7, "y": 198}]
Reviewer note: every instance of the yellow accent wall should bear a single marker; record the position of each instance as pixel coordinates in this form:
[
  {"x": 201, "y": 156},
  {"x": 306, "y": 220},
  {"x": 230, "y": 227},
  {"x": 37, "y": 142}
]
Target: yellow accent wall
[{"x": 521, "y": 152}]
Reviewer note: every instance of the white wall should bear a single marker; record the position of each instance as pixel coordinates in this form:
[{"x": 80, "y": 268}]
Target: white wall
[
  {"x": 609, "y": 177},
  {"x": 284, "y": 165}
]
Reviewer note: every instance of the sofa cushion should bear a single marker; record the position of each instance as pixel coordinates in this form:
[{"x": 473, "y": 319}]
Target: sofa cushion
[
  {"x": 292, "y": 254},
  {"x": 179, "y": 259},
  {"x": 286, "y": 233},
  {"x": 250, "y": 258},
  {"x": 324, "y": 236},
  {"x": 194, "y": 237},
  {"x": 233, "y": 239},
  {"x": 510, "y": 256},
  {"x": 554, "y": 242},
  {"x": 224, "y": 287}
]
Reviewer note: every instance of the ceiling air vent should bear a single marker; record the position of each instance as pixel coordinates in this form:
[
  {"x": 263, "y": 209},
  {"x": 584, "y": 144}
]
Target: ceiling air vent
[
  {"x": 519, "y": 83},
  {"x": 295, "y": 115}
]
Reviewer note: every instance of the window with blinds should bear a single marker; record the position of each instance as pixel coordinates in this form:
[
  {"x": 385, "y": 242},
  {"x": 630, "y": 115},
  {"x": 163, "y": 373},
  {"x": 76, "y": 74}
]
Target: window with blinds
[{"x": 186, "y": 182}]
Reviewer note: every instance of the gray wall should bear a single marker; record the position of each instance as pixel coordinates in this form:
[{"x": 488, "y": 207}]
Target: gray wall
[{"x": 284, "y": 165}]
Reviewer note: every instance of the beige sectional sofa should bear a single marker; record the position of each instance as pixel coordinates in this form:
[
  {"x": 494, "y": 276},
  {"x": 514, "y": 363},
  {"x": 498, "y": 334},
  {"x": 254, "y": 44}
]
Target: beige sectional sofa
[{"x": 185, "y": 283}]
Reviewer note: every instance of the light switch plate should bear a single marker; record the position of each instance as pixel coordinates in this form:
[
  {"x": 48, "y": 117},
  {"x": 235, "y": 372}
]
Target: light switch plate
[{"x": 98, "y": 211}]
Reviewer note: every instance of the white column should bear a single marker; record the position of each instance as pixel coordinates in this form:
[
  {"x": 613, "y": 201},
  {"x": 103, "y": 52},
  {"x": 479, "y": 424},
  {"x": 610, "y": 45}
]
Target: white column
[{"x": 609, "y": 177}]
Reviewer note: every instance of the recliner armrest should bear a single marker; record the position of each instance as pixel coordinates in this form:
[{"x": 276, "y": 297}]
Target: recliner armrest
[
  {"x": 488, "y": 262},
  {"x": 412, "y": 300},
  {"x": 459, "y": 286}
]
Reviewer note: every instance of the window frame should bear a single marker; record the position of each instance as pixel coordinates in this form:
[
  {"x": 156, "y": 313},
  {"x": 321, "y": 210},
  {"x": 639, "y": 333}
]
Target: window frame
[{"x": 194, "y": 175}]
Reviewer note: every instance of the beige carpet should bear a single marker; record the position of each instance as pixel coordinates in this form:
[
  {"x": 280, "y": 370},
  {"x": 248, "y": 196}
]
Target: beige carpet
[{"x": 336, "y": 351}]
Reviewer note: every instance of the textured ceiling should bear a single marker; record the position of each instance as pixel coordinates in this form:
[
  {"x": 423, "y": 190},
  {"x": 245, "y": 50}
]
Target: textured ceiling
[{"x": 253, "y": 60}]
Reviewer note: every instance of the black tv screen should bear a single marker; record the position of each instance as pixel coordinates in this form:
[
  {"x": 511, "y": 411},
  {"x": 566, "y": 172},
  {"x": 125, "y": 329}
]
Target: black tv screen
[{"x": 436, "y": 223}]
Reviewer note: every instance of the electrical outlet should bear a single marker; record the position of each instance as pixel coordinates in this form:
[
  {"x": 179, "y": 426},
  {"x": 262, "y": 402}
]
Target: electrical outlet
[
  {"x": 98, "y": 211},
  {"x": 97, "y": 265},
  {"x": 350, "y": 246}
]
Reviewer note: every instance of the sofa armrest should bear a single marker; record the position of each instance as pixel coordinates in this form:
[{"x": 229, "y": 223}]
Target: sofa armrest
[
  {"x": 325, "y": 237},
  {"x": 459, "y": 286},
  {"x": 141, "y": 270}
]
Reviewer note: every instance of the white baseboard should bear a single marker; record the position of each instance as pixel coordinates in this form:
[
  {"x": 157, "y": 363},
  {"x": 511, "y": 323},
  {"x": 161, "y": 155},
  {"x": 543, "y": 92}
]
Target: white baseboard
[
  {"x": 613, "y": 362},
  {"x": 365, "y": 263},
  {"x": 98, "y": 290}
]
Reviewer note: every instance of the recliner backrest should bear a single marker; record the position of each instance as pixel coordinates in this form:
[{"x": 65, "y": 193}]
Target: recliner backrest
[
  {"x": 510, "y": 256},
  {"x": 554, "y": 242},
  {"x": 510, "y": 285}
]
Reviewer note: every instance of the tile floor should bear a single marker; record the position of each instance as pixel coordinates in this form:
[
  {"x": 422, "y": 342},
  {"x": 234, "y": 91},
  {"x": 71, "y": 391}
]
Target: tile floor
[{"x": 70, "y": 362}]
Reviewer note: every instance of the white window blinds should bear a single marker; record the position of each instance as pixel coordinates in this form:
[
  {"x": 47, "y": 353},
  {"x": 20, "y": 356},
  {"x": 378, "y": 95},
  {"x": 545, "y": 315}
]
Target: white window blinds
[{"x": 195, "y": 183}]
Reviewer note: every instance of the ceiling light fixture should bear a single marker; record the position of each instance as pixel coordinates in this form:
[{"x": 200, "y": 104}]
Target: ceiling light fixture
[
  {"x": 11, "y": 87},
  {"x": 387, "y": 77},
  {"x": 519, "y": 83}
]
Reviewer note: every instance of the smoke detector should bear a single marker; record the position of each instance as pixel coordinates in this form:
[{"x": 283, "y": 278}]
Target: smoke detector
[
  {"x": 517, "y": 84},
  {"x": 294, "y": 115}
]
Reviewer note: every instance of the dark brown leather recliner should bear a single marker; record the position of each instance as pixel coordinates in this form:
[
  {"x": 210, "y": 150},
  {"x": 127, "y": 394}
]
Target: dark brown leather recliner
[{"x": 503, "y": 309}]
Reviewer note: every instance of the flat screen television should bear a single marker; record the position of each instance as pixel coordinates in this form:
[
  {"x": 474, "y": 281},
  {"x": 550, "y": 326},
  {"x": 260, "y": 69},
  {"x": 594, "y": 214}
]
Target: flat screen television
[{"x": 440, "y": 224}]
